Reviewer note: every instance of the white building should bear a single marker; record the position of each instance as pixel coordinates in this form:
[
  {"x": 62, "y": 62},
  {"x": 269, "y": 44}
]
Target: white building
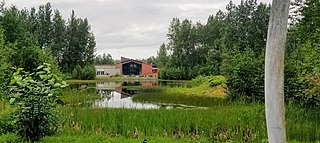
[{"x": 107, "y": 70}]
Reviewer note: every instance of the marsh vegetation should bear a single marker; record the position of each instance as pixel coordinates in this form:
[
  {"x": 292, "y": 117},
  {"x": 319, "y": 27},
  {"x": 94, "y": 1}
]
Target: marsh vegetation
[{"x": 221, "y": 63}]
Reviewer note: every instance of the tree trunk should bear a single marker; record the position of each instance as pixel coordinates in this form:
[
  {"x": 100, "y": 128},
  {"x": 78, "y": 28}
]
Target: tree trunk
[{"x": 274, "y": 71}]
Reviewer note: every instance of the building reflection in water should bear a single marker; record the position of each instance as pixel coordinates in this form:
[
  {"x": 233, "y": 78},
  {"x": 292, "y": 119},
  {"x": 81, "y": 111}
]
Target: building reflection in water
[{"x": 115, "y": 96}]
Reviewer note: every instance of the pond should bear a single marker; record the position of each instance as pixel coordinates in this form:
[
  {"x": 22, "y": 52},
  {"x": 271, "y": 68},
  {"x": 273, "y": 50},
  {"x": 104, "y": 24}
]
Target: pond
[{"x": 118, "y": 94}]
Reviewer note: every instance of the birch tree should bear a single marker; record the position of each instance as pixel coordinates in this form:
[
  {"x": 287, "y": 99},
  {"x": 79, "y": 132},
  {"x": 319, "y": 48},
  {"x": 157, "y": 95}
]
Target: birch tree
[{"x": 274, "y": 71}]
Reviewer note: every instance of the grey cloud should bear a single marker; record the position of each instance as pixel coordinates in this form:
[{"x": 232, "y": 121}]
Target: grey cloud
[{"x": 133, "y": 28}]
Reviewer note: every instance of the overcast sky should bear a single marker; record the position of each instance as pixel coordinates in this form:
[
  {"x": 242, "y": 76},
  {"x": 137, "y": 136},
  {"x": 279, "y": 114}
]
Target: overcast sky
[{"x": 132, "y": 28}]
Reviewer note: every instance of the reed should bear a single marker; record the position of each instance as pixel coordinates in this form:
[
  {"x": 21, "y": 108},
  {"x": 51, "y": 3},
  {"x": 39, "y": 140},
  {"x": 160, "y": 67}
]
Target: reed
[
  {"x": 79, "y": 97},
  {"x": 203, "y": 96},
  {"x": 236, "y": 123}
]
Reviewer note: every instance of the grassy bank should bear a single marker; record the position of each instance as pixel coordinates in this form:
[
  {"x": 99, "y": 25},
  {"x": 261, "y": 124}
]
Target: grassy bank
[
  {"x": 2, "y": 105},
  {"x": 232, "y": 123},
  {"x": 201, "y": 95},
  {"x": 228, "y": 123},
  {"x": 80, "y": 96},
  {"x": 94, "y": 138},
  {"x": 222, "y": 121},
  {"x": 99, "y": 79}
]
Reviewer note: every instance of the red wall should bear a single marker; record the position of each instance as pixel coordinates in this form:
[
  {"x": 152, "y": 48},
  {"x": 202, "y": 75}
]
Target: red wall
[{"x": 147, "y": 70}]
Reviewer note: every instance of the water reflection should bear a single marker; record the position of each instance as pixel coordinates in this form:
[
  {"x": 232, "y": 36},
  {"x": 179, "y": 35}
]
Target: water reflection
[
  {"x": 118, "y": 94},
  {"x": 113, "y": 99}
]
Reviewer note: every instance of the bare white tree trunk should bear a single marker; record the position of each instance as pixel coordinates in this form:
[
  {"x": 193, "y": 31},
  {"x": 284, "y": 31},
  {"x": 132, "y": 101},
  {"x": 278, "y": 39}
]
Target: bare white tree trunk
[{"x": 274, "y": 71}]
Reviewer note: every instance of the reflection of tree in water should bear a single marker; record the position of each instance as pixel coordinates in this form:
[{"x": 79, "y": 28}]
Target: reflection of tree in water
[
  {"x": 106, "y": 94},
  {"x": 82, "y": 86},
  {"x": 134, "y": 83},
  {"x": 129, "y": 91}
]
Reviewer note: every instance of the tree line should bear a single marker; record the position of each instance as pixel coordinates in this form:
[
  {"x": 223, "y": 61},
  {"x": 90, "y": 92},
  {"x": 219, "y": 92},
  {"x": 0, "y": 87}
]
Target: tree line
[
  {"x": 31, "y": 37},
  {"x": 232, "y": 43}
]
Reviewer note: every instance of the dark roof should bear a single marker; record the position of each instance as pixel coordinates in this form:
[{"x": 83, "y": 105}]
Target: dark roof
[{"x": 127, "y": 60}]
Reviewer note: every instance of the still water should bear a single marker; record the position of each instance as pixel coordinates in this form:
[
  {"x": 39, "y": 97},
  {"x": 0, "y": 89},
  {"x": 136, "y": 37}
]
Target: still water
[{"x": 118, "y": 94}]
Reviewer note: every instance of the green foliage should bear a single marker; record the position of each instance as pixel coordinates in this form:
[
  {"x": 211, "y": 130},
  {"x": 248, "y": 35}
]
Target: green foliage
[
  {"x": 198, "y": 80},
  {"x": 245, "y": 76},
  {"x": 234, "y": 123},
  {"x": 302, "y": 58},
  {"x": 80, "y": 45},
  {"x": 86, "y": 73},
  {"x": 80, "y": 96},
  {"x": 6, "y": 123},
  {"x": 216, "y": 80},
  {"x": 212, "y": 81},
  {"x": 32, "y": 35},
  {"x": 175, "y": 73},
  {"x": 116, "y": 75},
  {"x": 302, "y": 76},
  {"x": 104, "y": 59},
  {"x": 35, "y": 97},
  {"x": 231, "y": 44},
  {"x": 162, "y": 56}
]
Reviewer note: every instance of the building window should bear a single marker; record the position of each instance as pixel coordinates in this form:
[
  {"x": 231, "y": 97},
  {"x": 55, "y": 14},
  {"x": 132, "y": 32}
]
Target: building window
[
  {"x": 154, "y": 70},
  {"x": 100, "y": 72}
]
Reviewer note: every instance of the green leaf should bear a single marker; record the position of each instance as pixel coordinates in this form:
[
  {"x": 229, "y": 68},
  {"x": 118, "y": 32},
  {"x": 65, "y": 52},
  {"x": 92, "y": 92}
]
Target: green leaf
[
  {"x": 13, "y": 81},
  {"x": 41, "y": 72},
  {"x": 63, "y": 86},
  {"x": 12, "y": 100},
  {"x": 64, "y": 82},
  {"x": 40, "y": 67},
  {"x": 42, "y": 76},
  {"x": 56, "y": 85}
]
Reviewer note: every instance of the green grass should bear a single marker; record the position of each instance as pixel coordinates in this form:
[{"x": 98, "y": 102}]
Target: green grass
[
  {"x": 100, "y": 79},
  {"x": 222, "y": 121},
  {"x": 2, "y": 105},
  {"x": 232, "y": 123},
  {"x": 175, "y": 123},
  {"x": 100, "y": 138},
  {"x": 80, "y": 96},
  {"x": 229, "y": 123},
  {"x": 203, "y": 95}
]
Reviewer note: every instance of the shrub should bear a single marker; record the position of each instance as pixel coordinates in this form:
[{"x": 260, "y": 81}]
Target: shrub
[
  {"x": 216, "y": 80},
  {"x": 6, "y": 124},
  {"x": 116, "y": 75},
  {"x": 302, "y": 76},
  {"x": 175, "y": 73},
  {"x": 244, "y": 72},
  {"x": 88, "y": 72},
  {"x": 35, "y": 95},
  {"x": 198, "y": 81}
]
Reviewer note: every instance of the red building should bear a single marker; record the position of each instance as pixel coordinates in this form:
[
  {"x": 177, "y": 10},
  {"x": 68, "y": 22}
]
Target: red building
[{"x": 133, "y": 67}]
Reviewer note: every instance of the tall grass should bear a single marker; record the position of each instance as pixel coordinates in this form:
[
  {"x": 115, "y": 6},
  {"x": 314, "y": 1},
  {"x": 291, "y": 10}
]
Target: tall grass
[
  {"x": 175, "y": 123},
  {"x": 303, "y": 124},
  {"x": 79, "y": 96},
  {"x": 202, "y": 95},
  {"x": 229, "y": 123},
  {"x": 2, "y": 105}
]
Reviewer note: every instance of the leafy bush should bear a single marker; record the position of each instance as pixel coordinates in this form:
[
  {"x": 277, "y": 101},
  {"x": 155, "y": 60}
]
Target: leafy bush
[
  {"x": 198, "y": 81},
  {"x": 216, "y": 80},
  {"x": 212, "y": 81},
  {"x": 35, "y": 97},
  {"x": 116, "y": 75},
  {"x": 6, "y": 124},
  {"x": 86, "y": 73},
  {"x": 175, "y": 73},
  {"x": 302, "y": 76},
  {"x": 244, "y": 74}
]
